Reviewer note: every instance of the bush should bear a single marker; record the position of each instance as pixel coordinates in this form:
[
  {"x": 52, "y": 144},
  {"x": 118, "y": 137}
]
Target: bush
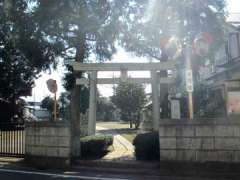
[
  {"x": 95, "y": 146},
  {"x": 147, "y": 146}
]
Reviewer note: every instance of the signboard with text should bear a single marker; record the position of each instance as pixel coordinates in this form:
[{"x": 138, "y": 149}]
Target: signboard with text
[{"x": 189, "y": 80}]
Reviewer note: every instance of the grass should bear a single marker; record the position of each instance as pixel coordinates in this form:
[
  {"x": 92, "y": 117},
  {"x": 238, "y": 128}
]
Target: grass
[
  {"x": 113, "y": 125},
  {"x": 121, "y": 128}
]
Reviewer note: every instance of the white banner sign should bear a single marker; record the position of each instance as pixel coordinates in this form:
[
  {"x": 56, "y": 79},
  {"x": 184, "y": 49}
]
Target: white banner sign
[{"x": 189, "y": 80}]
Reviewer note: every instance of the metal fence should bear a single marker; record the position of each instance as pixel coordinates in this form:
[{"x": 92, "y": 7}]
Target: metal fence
[{"x": 12, "y": 139}]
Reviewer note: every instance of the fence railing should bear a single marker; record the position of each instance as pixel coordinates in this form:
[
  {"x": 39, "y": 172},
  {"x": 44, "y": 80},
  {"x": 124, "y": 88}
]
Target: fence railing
[{"x": 12, "y": 139}]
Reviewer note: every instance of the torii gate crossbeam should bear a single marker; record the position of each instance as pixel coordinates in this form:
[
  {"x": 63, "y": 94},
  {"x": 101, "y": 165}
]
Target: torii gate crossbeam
[
  {"x": 123, "y": 67},
  {"x": 158, "y": 66}
]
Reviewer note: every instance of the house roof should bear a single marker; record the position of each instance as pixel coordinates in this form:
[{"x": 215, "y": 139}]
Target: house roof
[{"x": 234, "y": 20}]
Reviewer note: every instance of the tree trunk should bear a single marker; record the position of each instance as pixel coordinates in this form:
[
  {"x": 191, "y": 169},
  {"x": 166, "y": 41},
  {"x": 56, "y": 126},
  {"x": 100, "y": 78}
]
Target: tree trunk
[
  {"x": 130, "y": 120},
  {"x": 75, "y": 121},
  {"x": 75, "y": 105}
]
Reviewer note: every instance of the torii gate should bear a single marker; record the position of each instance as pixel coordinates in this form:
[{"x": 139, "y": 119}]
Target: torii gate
[{"x": 155, "y": 82}]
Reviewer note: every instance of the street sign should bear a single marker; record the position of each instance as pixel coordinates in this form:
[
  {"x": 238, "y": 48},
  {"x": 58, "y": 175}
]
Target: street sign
[
  {"x": 189, "y": 80},
  {"x": 52, "y": 85}
]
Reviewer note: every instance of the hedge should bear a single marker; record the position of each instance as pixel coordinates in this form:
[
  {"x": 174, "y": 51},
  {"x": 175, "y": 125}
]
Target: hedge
[
  {"x": 95, "y": 146},
  {"x": 147, "y": 146}
]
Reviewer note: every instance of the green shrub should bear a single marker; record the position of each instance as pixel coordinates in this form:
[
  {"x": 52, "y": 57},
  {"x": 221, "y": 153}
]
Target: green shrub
[
  {"x": 147, "y": 146},
  {"x": 95, "y": 146}
]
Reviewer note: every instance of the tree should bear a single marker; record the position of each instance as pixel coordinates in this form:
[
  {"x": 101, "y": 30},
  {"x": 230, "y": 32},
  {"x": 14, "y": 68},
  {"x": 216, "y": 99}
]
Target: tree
[
  {"x": 180, "y": 19},
  {"x": 24, "y": 51},
  {"x": 48, "y": 103},
  {"x": 130, "y": 98},
  {"x": 183, "y": 21},
  {"x": 87, "y": 29},
  {"x": 105, "y": 109},
  {"x": 63, "y": 102}
]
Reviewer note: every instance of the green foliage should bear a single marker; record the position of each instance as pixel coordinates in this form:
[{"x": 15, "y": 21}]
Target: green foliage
[
  {"x": 87, "y": 29},
  {"x": 84, "y": 27},
  {"x": 84, "y": 99},
  {"x": 130, "y": 98},
  {"x": 181, "y": 19},
  {"x": 48, "y": 103},
  {"x": 105, "y": 109},
  {"x": 24, "y": 50},
  {"x": 184, "y": 20},
  {"x": 64, "y": 102},
  {"x": 95, "y": 146},
  {"x": 11, "y": 111},
  {"x": 147, "y": 146},
  {"x": 209, "y": 103}
]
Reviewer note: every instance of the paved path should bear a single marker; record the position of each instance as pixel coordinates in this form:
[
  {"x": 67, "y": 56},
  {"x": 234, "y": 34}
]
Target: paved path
[{"x": 122, "y": 148}]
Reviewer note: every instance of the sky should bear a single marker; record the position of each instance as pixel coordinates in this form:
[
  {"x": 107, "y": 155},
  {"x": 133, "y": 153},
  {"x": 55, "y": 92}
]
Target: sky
[
  {"x": 40, "y": 90},
  {"x": 233, "y": 6}
]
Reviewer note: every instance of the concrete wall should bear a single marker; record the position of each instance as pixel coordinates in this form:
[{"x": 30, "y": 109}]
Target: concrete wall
[
  {"x": 47, "y": 143},
  {"x": 200, "y": 140}
]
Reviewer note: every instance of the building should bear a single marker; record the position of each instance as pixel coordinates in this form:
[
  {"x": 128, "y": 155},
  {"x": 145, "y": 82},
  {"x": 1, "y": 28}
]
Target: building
[
  {"x": 34, "y": 112},
  {"x": 223, "y": 77}
]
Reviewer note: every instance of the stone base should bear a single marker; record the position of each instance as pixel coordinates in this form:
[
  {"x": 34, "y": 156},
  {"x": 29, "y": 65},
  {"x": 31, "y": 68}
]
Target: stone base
[{"x": 47, "y": 162}]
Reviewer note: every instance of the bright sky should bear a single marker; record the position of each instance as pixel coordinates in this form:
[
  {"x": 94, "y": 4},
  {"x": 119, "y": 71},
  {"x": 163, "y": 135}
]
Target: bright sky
[
  {"x": 233, "y": 6},
  {"x": 40, "y": 90}
]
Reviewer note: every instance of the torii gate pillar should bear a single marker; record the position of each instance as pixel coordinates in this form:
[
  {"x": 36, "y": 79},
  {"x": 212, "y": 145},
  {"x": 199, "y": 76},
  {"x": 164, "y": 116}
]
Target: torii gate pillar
[
  {"x": 155, "y": 100},
  {"x": 92, "y": 104}
]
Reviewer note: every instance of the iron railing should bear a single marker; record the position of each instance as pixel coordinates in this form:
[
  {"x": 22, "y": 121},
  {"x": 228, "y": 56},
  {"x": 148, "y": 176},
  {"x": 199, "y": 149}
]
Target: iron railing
[{"x": 12, "y": 139}]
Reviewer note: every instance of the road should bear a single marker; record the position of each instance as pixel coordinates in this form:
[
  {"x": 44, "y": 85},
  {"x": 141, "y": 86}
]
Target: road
[
  {"x": 16, "y": 174},
  {"x": 26, "y": 174}
]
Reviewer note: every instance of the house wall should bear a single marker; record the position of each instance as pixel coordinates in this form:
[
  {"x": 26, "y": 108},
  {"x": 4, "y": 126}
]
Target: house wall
[{"x": 202, "y": 140}]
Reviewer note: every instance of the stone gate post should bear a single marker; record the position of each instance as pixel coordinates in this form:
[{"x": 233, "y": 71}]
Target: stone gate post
[
  {"x": 92, "y": 104},
  {"x": 155, "y": 100}
]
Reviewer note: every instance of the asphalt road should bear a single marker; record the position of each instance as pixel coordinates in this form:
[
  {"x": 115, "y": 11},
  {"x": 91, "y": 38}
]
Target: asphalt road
[
  {"x": 20, "y": 174},
  {"x": 25, "y": 174}
]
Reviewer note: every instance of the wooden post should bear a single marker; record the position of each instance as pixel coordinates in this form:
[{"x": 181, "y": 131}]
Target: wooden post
[
  {"x": 55, "y": 107},
  {"x": 189, "y": 78},
  {"x": 190, "y": 105}
]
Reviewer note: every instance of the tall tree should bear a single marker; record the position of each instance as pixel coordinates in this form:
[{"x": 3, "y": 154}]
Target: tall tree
[
  {"x": 171, "y": 18},
  {"x": 183, "y": 21},
  {"x": 24, "y": 51},
  {"x": 87, "y": 29},
  {"x": 130, "y": 98},
  {"x": 105, "y": 109}
]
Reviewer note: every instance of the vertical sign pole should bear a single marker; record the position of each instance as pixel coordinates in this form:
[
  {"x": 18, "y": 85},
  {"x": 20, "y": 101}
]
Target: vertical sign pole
[
  {"x": 190, "y": 94},
  {"x": 190, "y": 102},
  {"x": 52, "y": 87},
  {"x": 55, "y": 106}
]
